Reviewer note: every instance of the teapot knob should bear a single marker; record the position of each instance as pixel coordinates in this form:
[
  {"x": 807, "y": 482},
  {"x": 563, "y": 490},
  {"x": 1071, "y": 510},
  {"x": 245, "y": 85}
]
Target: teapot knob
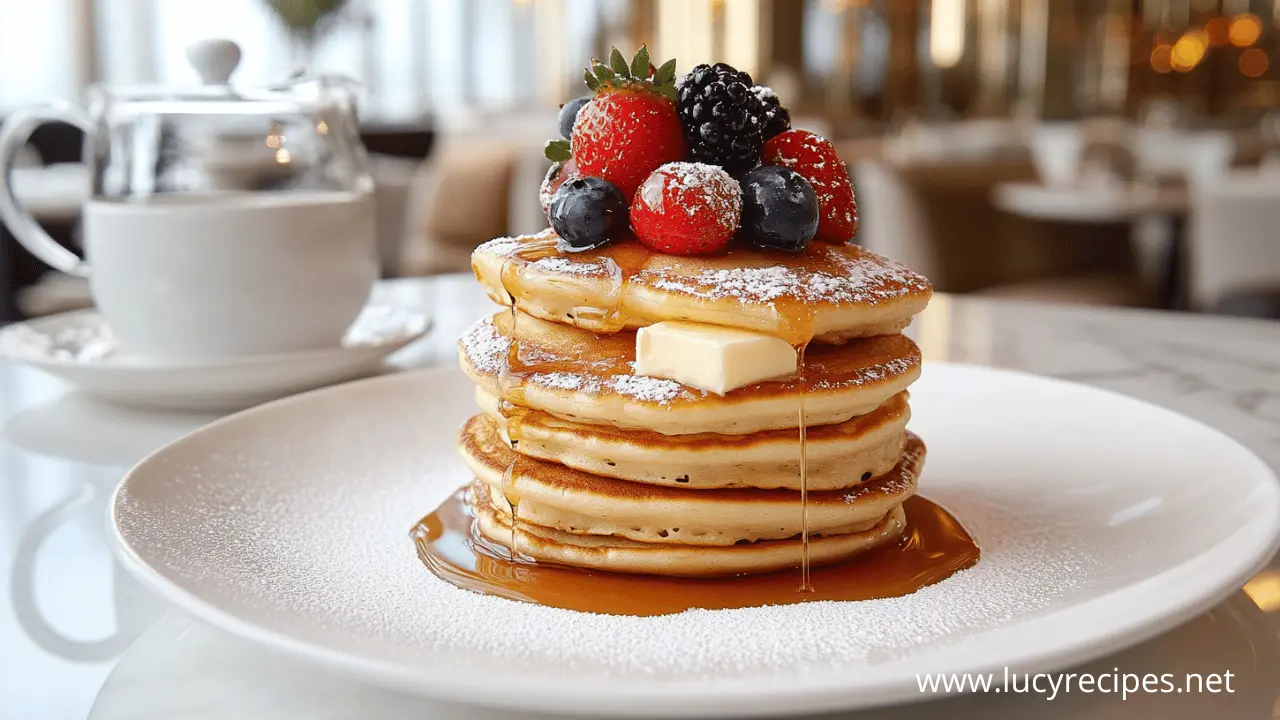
[{"x": 214, "y": 60}]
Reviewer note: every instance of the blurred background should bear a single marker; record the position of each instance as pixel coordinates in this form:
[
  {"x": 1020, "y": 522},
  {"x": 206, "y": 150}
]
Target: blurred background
[{"x": 1103, "y": 152}]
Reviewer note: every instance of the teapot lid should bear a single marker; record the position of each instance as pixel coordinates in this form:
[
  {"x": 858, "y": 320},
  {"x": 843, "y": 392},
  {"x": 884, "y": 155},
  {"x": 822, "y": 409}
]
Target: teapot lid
[{"x": 214, "y": 60}]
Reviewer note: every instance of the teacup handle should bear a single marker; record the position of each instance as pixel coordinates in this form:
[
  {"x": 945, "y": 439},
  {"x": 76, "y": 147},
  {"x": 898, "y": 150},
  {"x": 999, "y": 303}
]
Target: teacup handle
[
  {"x": 15, "y": 133},
  {"x": 23, "y": 594}
]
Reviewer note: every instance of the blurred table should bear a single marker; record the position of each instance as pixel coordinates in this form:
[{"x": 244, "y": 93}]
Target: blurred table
[
  {"x": 1088, "y": 204},
  {"x": 1156, "y": 214},
  {"x": 78, "y": 634}
]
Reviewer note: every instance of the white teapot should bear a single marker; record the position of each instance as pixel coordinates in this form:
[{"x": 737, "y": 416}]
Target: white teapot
[{"x": 222, "y": 221}]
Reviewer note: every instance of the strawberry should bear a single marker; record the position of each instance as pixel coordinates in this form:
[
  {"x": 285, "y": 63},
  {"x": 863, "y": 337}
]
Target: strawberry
[
  {"x": 687, "y": 209},
  {"x": 631, "y": 126},
  {"x": 815, "y": 159}
]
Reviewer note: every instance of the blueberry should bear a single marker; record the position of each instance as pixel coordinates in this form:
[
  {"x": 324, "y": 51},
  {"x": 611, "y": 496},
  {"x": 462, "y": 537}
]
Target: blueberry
[
  {"x": 779, "y": 209},
  {"x": 587, "y": 213},
  {"x": 569, "y": 114}
]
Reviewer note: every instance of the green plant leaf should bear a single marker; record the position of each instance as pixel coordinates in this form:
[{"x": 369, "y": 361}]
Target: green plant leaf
[
  {"x": 604, "y": 74},
  {"x": 557, "y": 150},
  {"x": 666, "y": 73},
  {"x": 668, "y": 91},
  {"x": 618, "y": 63},
  {"x": 640, "y": 63},
  {"x": 592, "y": 83}
]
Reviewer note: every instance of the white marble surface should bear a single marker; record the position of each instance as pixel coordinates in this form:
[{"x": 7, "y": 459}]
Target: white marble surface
[{"x": 69, "y": 615}]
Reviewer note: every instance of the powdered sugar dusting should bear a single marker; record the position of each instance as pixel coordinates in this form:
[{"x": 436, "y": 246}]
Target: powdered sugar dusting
[
  {"x": 567, "y": 266},
  {"x": 693, "y": 186},
  {"x": 504, "y": 246},
  {"x": 648, "y": 389},
  {"x": 299, "y": 519},
  {"x": 484, "y": 347},
  {"x": 764, "y": 92},
  {"x": 486, "y": 350},
  {"x": 870, "y": 374},
  {"x": 861, "y": 278}
]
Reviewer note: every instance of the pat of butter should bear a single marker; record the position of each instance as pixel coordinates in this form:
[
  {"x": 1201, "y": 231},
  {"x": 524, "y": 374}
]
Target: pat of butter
[{"x": 709, "y": 357}]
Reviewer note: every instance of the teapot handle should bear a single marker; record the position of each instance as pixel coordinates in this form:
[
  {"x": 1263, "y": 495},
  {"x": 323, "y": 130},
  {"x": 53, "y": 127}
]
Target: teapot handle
[{"x": 15, "y": 133}]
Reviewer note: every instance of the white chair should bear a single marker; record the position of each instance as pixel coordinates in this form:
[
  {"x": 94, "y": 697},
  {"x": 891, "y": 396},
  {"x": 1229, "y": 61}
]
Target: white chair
[
  {"x": 1182, "y": 155},
  {"x": 1233, "y": 246}
]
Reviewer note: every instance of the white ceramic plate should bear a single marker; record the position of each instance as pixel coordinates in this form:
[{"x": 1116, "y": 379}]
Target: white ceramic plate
[
  {"x": 1102, "y": 520},
  {"x": 80, "y": 348}
]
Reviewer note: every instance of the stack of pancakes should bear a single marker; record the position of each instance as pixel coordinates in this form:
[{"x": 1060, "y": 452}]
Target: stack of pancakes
[{"x": 611, "y": 470}]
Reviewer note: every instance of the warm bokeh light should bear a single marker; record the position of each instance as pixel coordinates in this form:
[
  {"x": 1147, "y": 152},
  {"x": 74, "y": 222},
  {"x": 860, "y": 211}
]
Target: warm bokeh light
[
  {"x": 1188, "y": 51},
  {"x": 1218, "y": 32},
  {"x": 283, "y": 157},
  {"x": 1264, "y": 590},
  {"x": 1245, "y": 30},
  {"x": 946, "y": 32},
  {"x": 1160, "y": 58},
  {"x": 1254, "y": 62}
]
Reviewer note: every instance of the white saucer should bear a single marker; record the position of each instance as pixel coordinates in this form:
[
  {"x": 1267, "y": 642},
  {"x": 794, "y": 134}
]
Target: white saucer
[
  {"x": 1102, "y": 521},
  {"x": 80, "y": 348}
]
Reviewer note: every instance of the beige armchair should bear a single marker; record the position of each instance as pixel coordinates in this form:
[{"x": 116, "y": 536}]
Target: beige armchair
[
  {"x": 459, "y": 199},
  {"x": 939, "y": 219}
]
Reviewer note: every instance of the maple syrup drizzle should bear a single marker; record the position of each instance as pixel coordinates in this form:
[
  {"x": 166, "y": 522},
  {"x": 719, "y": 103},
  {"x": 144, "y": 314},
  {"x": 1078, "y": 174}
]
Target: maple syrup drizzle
[
  {"x": 805, "y": 586},
  {"x": 933, "y": 547},
  {"x": 621, "y": 261},
  {"x": 608, "y": 317},
  {"x": 511, "y": 377}
]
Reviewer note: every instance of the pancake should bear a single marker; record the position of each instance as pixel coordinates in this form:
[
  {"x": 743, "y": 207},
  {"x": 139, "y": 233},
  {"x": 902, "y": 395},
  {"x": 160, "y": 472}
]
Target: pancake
[
  {"x": 838, "y": 456},
  {"x": 619, "y": 555},
  {"x": 580, "y": 503},
  {"x": 579, "y": 376},
  {"x": 831, "y": 292}
]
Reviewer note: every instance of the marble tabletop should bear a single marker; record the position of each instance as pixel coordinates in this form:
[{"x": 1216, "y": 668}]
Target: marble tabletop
[{"x": 79, "y": 638}]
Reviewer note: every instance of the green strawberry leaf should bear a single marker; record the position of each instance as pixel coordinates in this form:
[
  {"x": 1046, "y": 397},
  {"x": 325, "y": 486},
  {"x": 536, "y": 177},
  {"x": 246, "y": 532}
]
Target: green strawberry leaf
[
  {"x": 666, "y": 73},
  {"x": 640, "y": 63},
  {"x": 604, "y": 74},
  {"x": 618, "y": 63},
  {"x": 557, "y": 150},
  {"x": 592, "y": 83}
]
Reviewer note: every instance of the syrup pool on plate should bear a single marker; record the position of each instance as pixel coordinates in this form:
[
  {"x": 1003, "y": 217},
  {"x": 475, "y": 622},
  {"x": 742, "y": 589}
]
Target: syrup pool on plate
[{"x": 933, "y": 547}]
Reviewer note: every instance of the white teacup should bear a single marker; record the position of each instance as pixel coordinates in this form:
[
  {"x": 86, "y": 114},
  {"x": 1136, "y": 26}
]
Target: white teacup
[
  {"x": 217, "y": 276},
  {"x": 184, "y": 267}
]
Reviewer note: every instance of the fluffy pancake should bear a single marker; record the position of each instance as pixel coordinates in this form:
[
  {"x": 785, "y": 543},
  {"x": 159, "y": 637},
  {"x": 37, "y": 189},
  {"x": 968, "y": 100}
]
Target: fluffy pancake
[
  {"x": 828, "y": 291},
  {"x": 620, "y": 555},
  {"x": 580, "y": 503},
  {"x": 587, "y": 378},
  {"x": 838, "y": 456}
]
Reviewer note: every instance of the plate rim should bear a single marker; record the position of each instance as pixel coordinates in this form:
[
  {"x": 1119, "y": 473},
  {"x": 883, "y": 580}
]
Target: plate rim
[{"x": 816, "y": 692}]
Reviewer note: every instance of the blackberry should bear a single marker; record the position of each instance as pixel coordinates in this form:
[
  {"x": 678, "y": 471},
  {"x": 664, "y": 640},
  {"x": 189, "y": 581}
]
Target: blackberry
[
  {"x": 777, "y": 119},
  {"x": 723, "y": 118}
]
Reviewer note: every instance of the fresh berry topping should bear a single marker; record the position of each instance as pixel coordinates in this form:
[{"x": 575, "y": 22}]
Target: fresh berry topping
[
  {"x": 687, "y": 209},
  {"x": 569, "y": 113},
  {"x": 779, "y": 209},
  {"x": 722, "y": 118},
  {"x": 776, "y": 118},
  {"x": 814, "y": 157},
  {"x": 587, "y": 212},
  {"x": 622, "y": 136},
  {"x": 556, "y": 175},
  {"x": 631, "y": 127}
]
